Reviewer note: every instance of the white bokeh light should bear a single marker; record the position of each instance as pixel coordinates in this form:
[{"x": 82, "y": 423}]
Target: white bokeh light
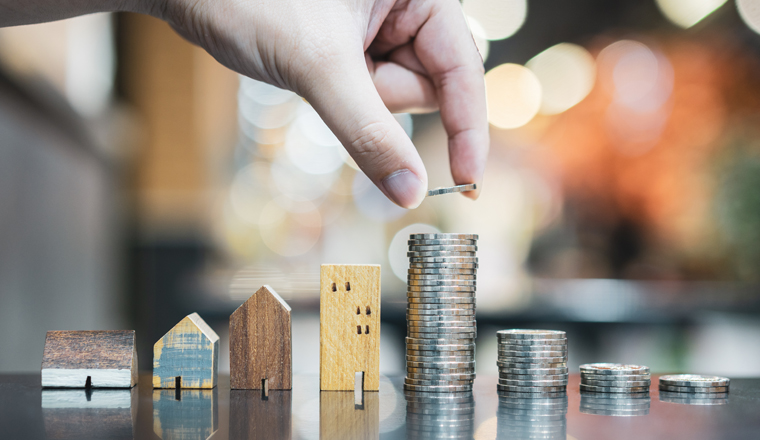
[
  {"x": 687, "y": 13},
  {"x": 514, "y": 95},
  {"x": 499, "y": 19},
  {"x": 398, "y": 247},
  {"x": 566, "y": 72},
  {"x": 749, "y": 11}
]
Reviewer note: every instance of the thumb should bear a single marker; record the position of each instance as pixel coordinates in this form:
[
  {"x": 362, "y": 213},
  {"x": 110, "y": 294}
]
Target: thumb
[{"x": 342, "y": 92}]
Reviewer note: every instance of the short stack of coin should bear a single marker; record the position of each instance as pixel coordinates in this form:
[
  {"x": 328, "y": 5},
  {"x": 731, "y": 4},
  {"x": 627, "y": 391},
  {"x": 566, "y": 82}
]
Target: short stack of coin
[
  {"x": 615, "y": 378},
  {"x": 532, "y": 361},
  {"x": 694, "y": 384},
  {"x": 439, "y": 415},
  {"x": 615, "y": 404},
  {"x": 531, "y": 418},
  {"x": 440, "y": 314}
]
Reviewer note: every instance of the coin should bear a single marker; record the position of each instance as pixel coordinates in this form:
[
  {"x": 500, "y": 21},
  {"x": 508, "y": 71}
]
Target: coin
[
  {"x": 441, "y": 242},
  {"x": 619, "y": 369},
  {"x": 440, "y": 348},
  {"x": 443, "y": 276},
  {"x": 524, "y": 365},
  {"x": 463, "y": 376},
  {"x": 440, "y": 324},
  {"x": 440, "y": 388},
  {"x": 531, "y": 354},
  {"x": 443, "y": 236},
  {"x": 530, "y": 390},
  {"x": 695, "y": 390},
  {"x": 534, "y": 371},
  {"x": 440, "y": 300},
  {"x": 594, "y": 389},
  {"x": 618, "y": 377},
  {"x": 460, "y": 306},
  {"x": 532, "y": 377},
  {"x": 531, "y": 342},
  {"x": 442, "y": 267},
  {"x": 615, "y": 383},
  {"x": 440, "y": 341},
  {"x": 530, "y": 334},
  {"x": 516, "y": 347},
  {"x": 444, "y": 248},
  {"x": 694, "y": 380},
  {"x": 534, "y": 383},
  {"x": 448, "y": 282},
  {"x": 451, "y": 189},
  {"x": 444, "y": 313}
]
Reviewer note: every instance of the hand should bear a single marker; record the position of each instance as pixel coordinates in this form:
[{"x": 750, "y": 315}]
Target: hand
[{"x": 356, "y": 61}]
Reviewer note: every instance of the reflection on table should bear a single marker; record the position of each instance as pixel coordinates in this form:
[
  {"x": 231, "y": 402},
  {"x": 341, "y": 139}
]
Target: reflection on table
[
  {"x": 89, "y": 413},
  {"x": 439, "y": 415},
  {"x": 694, "y": 399},
  {"x": 521, "y": 417},
  {"x": 615, "y": 404},
  {"x": 254, "y": 416},
  {"x": 343, "y": 415},
  {"x": 185, "y": 414}
]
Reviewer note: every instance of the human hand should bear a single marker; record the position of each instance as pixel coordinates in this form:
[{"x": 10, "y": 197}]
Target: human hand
[{"x": 356, "y": 61}]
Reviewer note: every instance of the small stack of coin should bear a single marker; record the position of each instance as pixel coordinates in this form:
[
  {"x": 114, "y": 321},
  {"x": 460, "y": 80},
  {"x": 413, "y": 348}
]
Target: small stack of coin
[
  {"x": 615, "y": 378},
  {"x": 439, "y": 415},
  {"x": 440, "y": 314},
  {"x": 694, "y": 384},
  {"x": 531, "y": 418},
  {"x": 615, "y": 404},
  {"x": 532, "y": 361}
]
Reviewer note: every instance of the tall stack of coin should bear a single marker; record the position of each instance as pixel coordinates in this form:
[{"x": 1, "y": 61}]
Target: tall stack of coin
[
  {"x": 440, "y": 314},
  {"x": 615, "y": 404},
  {"x": 439, "y": 415},
  {"x": 694, "y": 384},
  {"x": 615, "y": 378},
  {"x": 532, "y": 417},
  {"x": 532, "y": 361}
]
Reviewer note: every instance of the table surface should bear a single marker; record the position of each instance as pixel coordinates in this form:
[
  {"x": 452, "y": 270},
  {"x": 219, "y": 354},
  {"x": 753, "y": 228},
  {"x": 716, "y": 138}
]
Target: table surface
[{"x": 29, "y": 412}]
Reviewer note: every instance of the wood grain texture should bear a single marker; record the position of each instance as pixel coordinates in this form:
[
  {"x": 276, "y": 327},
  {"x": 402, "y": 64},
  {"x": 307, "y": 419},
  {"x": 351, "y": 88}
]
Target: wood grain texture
[
  {"x": 108, "y": 357},
  {"x": 255, "y": 419},
  {"x": 339, "y": 418},
  {"x": 192, "y": 416},
  {"x": 260, "y": 342},
  {"x": 190, "y": 350},
  {"x": 349, "y": 326}
]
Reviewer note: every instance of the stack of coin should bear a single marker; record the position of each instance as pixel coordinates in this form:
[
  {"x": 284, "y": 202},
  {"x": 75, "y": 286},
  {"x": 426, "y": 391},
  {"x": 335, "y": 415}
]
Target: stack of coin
[
  {"x": 615, "y": 404},
  {"x": 532, "y": 361},
  {"x": 615, "y": 378},
  {"x": 439, "y": 415},
  {"x": 692, "y": 384},
  {"x": 440, "y": 314},
  {"x": 531, "y": 418}
]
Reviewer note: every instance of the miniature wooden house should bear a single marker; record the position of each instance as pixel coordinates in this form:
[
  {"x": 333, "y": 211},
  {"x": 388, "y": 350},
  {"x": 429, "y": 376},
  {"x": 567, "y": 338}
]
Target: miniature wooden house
[
  {"x": 89, "y": 359},
  {"x": 260, "y": 343},
  {"x": 187, "y": 356},
  {"x": 349, "y": 326}
]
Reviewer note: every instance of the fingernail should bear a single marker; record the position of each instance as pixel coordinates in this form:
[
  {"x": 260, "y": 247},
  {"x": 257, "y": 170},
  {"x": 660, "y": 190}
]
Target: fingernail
[{"x": 404, "y": 188}]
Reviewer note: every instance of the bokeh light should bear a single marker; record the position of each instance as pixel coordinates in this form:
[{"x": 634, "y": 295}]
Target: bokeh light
[
  {"x": 290, "y": 233},
  {"x": 687, "y": 13},
  {"x": 398, "y": 247},
  {"x": 248, "y": 194},
  {"x": 514, "y": 95},
  {"x": 749, "y": 11},
  {"x": 566, "y": 72},
  {"x": 294, "y": 183},
  {"x": 498, "y": 19}
]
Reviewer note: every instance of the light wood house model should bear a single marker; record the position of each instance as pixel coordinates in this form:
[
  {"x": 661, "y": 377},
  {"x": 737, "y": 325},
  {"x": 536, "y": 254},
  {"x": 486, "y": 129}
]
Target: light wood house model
[{"x": 349, "y": 326}]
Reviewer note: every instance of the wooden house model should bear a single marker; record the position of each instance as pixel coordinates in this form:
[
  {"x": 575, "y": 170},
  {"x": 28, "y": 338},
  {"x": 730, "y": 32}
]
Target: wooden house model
[
  {"x": 187, "y": 356},
  {"x": 89, "y": 359},
  {"x": 260, "y": 343},
  {"x": 349, "y": 326}
]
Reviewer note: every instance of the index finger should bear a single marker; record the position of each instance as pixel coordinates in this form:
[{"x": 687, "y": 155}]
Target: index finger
[{"x": 445, "y": 47}]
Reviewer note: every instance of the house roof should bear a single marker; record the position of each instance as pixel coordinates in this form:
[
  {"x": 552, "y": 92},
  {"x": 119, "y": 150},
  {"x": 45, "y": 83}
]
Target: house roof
[
  {"x": 268, "y": 289},
  {"x": 108, "y": 349},
  {"x": 203, "y": 327}
]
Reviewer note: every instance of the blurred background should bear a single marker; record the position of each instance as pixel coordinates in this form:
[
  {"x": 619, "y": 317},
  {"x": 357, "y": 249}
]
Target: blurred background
[{"x": 141, "y": 181}]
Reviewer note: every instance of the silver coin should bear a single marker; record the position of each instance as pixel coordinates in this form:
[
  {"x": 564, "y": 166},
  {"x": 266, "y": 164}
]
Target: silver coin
[
  {"x": 443, "y": 248},
  {"x": 452, "y": 290},
  {"x": 527, "y": 366},
  {"x": 443, "y": 236},
  {"x": 441, "y": 347},
  {"x": 441, "y": 324},
  {"x": 594, "y": 389},
  {"x": 441, "y": 388},
  {"x": 530, "y": 334},
  {"x": 442, "y": 277},
  {"x": 452, "y": 337},
  {"x": 531, "y": 342},
  {"x": 433, "y": 313},
  {"x": 619, "y": 369},
  {"x": 533, "y": 377},
  {"x": 617, "y": 377},
  {"x": 533, "y": 383},
  {"x": 445, "y": 370},
  {"x": 443, "y": 358},
  {"x": 694, "y": 380},
  {"x": 448, "y": 376},
  {"x": 436, "y": 295},
  {"x": 441, "y": 283},
  {"x": 534, "y": 371},
  {"x": 695, "y": 390},
  {"x": 616, "y": 383},
  {"x": 412, "y": 307},
  {"x": 442, "y": 273},
  {"x": 448, "y": 320},
  {"x": 451, "y": 259},
  {"x": 440, "y": 353},
  {"x": 532, "y": 354},
  {"x": 438, "y": 342},
  {"x": 531, "y": 348},
  {"x": 462, "y": 328},
  {"x": 411, "y": 381},
  {"x": 443, "y": 267},
  {"x": 441, "y": 242},
  {"x": 451, "y": 189},
  {"x": 441, "y": 300},
  {"x": 532, "y": 360},
  {"x": 530, "y": 390},
  {"x": 448, "y": 365}
]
